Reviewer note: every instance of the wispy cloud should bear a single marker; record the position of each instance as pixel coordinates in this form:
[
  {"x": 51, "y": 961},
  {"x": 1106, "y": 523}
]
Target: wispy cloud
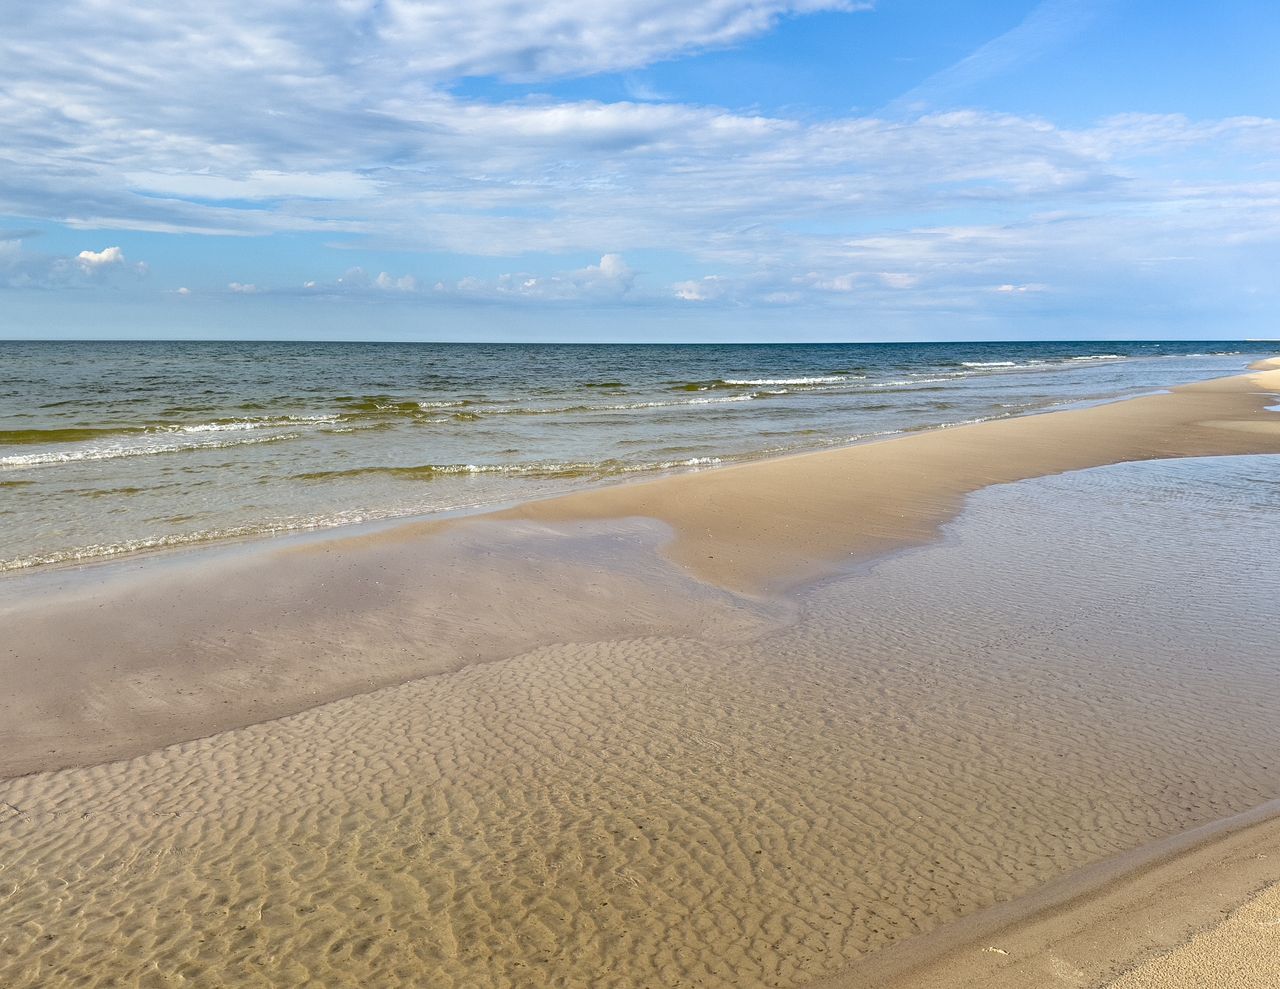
[
  {"x": 642, "y": 91},
  {"x": 526, "y": 41},
  {"x": 1050, "y": 24},
  {"x": 344, "y": 121}
]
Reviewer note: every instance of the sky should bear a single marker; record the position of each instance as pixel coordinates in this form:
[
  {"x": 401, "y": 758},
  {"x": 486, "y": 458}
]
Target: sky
[{"x": 640, "y": 170}]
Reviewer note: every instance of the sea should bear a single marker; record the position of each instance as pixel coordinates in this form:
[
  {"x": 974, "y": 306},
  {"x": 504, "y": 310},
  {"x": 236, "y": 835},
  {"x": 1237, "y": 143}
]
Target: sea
[{"x": 110, "y": 448}]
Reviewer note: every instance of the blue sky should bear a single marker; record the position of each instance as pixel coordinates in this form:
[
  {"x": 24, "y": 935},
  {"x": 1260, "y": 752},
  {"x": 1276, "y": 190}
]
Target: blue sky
[{"x": 724, "y": 170}]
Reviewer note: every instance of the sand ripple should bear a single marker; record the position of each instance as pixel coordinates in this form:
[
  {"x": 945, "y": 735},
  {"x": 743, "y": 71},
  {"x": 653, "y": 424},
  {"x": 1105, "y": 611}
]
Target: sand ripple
[{"x": 947, "y": 730}]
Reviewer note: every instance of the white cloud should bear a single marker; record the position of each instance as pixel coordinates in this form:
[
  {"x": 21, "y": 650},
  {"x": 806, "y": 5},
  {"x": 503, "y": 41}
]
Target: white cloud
[
  {"x": 283, "y": 116},
  {"x": 405, "y": 283},
  {"x": 353, "y": 278},
  {"x": 92, "y": 260},
  {"x": 527, "y": 40},
  {"x": 1008, "y": 288},
  {"x": 357, "y": 281},
  {"x": 23, "y": 268},
  {"x": 242, "y": 288},
  {"x": 182, "y": 291},
  {"x": 847, "y": 282},
  {"x": 704, "y": 289},
  {"x": 96, "y": 262},
  {"x": 609, "y": 280},
  {"x": 612, "y": 273}
]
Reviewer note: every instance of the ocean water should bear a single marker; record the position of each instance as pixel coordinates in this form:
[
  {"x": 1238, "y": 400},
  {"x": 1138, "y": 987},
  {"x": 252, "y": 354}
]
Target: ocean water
[{"x": 108, "y": 448}]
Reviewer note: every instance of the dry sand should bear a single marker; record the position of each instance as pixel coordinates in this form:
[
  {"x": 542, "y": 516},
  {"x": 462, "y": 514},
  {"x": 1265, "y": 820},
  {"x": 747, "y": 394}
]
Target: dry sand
[
  {"x": 1147, "y": 914},
  {"x": 1241, "y": 953},
  {"x": 669, "y": 783}
]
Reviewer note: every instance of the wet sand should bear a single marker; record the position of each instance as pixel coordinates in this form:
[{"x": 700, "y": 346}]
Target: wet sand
[
  {"x": 777, "y": 523},
  {"x": 1241, "y": 953},
  {"x": 1187, "y": 912},
  {"x": 119, "y": 659},
  {"x": 675, "y": 781}
]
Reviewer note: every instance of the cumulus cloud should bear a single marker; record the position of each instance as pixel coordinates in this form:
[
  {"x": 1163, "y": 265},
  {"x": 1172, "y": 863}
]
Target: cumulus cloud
[
  {"x": 93, "y": 260},
  {"x": 96, "y": 262},
  {"x": 357, "y": 280},
  {"x": 242, "y": 288},
  {"x": 405, "y": 283},
  {"x": 22, "y": 268}
]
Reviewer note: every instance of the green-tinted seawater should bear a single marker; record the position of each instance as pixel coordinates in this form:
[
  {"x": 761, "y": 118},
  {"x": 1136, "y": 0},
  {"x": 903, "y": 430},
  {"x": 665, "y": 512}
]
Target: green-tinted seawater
[{"x": 107, "y": 448}]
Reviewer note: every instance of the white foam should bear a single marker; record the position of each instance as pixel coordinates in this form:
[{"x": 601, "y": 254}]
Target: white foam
[
  {"x": 603, "y": 467},
  {"x": 671, "y": 464},
  {"x": 120, "y": 450},
  {"x": 100, "y": 551},
  {"x": 720, "y": 400},
  {"x": 910, "y": 381},
  {"x": 240, "y": 425},
  {"x": 822, "y": 380}
]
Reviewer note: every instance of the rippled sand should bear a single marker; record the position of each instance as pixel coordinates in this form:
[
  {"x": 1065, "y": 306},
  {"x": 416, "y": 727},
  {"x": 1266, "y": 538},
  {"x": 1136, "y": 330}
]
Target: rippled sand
[{"x": 1086, "y": 663}]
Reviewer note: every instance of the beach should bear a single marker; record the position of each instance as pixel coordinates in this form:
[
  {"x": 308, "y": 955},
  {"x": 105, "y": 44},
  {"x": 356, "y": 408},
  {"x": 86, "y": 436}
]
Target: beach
[
  {"x": 963, "y": 705},
  {"x": 112, "y": 448}
]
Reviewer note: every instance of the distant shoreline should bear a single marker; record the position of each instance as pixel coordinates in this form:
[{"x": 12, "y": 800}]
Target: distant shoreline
[{"x": 302, "y": 341}]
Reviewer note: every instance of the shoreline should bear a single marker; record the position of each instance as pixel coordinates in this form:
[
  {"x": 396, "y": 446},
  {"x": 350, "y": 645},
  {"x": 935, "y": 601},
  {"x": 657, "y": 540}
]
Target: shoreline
[
  {"x": 918, "y": 481},
  {"x": 1095, "y": 924},
  {"x": 191, "y": 802},
  {"x": 308, "y": 625},
  {"x": 742, "y": 534},
  {"x": 274, "y": 537}
]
